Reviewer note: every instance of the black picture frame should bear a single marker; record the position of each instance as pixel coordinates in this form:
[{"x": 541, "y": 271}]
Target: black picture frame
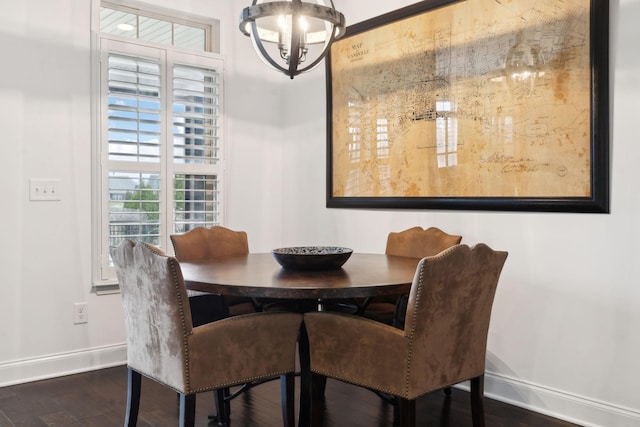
[{"x": 598, "y": 201}]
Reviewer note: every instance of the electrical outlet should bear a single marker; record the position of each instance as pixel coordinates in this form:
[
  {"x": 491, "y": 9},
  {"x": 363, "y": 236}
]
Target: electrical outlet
[
  {"x": 80, "y": 312},
  {"x": 44, "y": 189}
]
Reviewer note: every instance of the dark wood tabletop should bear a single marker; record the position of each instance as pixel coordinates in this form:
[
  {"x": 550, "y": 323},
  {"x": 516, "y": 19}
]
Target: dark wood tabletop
[{"x": 258, "y": 275}]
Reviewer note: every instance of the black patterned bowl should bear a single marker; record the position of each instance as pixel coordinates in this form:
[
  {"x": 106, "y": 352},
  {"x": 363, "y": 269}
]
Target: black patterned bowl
[{"x": 303, "y": 258}]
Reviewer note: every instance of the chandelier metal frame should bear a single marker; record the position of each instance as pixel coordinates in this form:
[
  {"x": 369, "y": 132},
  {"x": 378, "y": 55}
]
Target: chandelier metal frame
[{"x": 298, "y": 42}]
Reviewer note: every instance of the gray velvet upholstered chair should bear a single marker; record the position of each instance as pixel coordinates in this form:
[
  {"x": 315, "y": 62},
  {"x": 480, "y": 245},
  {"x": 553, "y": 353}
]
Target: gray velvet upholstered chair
[
  {"x": 163, "y": 345},
  {"x": 415, "y": 243},
  {"x": 443, "y": 342}
]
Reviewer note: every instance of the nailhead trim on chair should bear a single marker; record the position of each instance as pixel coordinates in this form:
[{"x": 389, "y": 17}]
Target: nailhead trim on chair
[
  {"x": 244, "y": 380},
  {"x": 175, "y": 267},
  {"x": 413, "y": 330},
  {"x": 416, "y": 305},
  {"x": 358, "y": 383},
  {"x": 221, "y": 385}
]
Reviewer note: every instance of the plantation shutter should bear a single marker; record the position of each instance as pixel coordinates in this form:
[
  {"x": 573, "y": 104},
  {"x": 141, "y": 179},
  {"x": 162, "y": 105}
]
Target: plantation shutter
[{"x": 161, "y": 144}]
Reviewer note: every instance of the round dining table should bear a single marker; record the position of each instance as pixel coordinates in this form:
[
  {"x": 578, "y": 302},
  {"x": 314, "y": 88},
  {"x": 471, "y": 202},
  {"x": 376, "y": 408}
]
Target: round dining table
[{"x": 258, "y": 275}]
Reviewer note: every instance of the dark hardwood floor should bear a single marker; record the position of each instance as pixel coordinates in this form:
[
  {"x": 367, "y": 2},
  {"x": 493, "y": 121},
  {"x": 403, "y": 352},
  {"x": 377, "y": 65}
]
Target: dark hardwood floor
[{"x": 97, "y": 399}]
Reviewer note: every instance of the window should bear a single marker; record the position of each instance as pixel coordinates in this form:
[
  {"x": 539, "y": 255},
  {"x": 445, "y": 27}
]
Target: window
[
  {"x": 132, "y": 23},
  {"x": 159, "y": 164}
]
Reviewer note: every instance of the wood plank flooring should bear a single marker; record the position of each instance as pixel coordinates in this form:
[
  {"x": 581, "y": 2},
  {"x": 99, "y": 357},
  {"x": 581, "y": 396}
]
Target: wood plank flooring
[{"x": 97, "y": 399}]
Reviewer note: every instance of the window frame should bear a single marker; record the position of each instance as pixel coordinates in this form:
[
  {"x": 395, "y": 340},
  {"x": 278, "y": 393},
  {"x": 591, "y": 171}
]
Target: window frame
[
  {"x": 104, "y": 280},
  {"x": 211, "y": 26}
]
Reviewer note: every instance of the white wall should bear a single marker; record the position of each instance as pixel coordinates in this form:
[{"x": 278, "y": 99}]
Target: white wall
[
  {"x": 564, "y": 335},
  {"x": 563, "y": 338},
  {"x": 45, "y": 95},
  {"x": 45, "y": 255}
]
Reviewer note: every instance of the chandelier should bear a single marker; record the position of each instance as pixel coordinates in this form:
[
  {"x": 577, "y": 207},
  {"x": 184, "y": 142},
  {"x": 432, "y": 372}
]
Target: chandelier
[{"x": 292, "y": 36}]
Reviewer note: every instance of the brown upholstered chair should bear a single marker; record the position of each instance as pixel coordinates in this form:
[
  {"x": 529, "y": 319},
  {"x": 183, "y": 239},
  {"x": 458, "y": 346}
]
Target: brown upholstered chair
[
  {"x": 415, "y": 243},
  {"x": 443, "y": 343},
  {"x": 203, "y": 243},
  {"x": 163, "y": 345}
]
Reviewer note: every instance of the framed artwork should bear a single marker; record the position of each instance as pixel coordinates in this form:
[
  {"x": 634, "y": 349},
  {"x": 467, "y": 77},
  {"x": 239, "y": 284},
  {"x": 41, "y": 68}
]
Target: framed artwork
[{"x": 477, "y": 104}]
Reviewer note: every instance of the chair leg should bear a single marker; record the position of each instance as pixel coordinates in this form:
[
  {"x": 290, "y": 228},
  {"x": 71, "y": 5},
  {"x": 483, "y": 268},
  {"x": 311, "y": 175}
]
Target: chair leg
[
  {"x": 187, "y": 410},
  {"x": 287, "y": 395},
  {"x": 477, "y": 406},
  {"x": 447, "y": 391},
  {"x": 227, "y": 402},
  {"x": 396, "y": 411},
  {"x": 317, "y": 386},
  {"x": 222, "y": 416},
  {"x": 134, "y": 383},
  {"x": 407, "y": 409}
]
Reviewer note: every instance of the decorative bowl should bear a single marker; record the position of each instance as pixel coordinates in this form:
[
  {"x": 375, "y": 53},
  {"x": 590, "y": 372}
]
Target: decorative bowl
[{"x": 303, "y": 258}]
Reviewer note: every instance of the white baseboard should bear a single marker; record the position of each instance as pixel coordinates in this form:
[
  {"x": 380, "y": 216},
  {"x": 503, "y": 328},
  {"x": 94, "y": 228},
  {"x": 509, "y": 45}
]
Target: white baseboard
[
  {"x": 57, "y": 365},
  {"x": 558, "y": 404}
]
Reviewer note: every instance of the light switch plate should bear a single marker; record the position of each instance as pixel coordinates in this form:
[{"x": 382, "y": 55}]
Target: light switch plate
[{"x": 44, "y": 189}]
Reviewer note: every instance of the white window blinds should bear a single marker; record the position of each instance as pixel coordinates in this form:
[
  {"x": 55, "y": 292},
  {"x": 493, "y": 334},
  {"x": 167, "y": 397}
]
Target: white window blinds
[
  {"x": 196, "y": 141},
  {"x": 161, "y": 145},
  {"x": 134, "y": 109}
]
